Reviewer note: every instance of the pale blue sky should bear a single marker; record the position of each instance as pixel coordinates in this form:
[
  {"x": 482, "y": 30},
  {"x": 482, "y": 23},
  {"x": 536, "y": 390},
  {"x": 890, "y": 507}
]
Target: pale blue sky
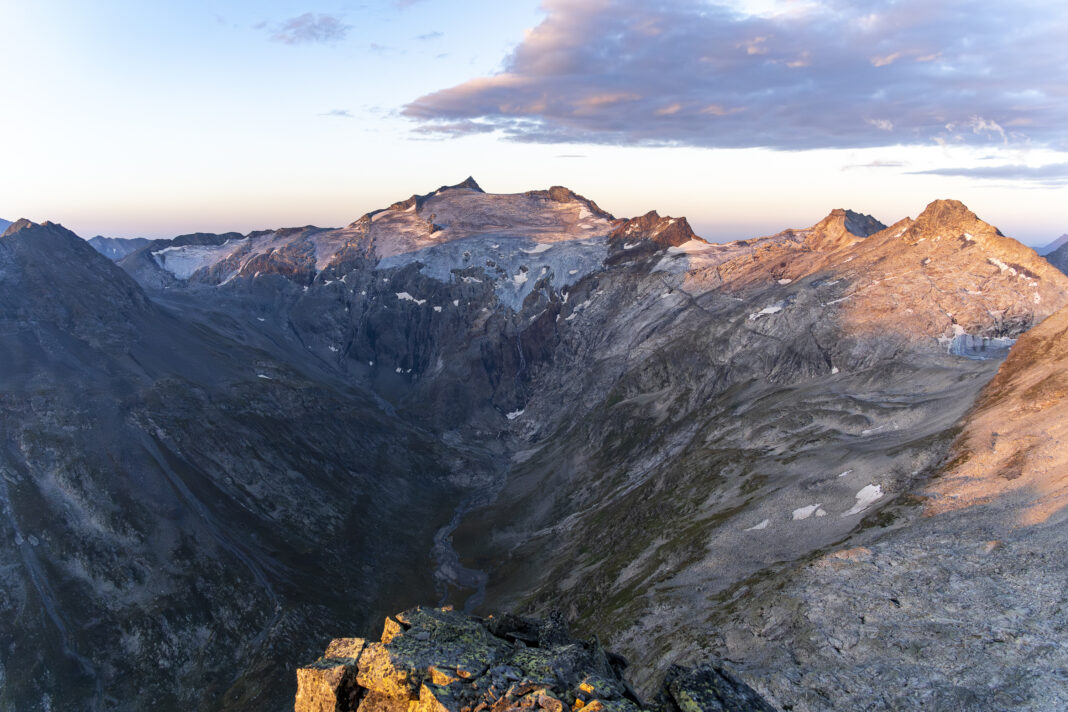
[{"x": 136, "y": 118}]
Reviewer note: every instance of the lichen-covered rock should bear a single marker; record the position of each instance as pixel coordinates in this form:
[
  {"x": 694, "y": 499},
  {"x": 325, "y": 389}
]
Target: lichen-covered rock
[
  {"x": 439, "y": 660},
  {"x": 709, "y": 688},
  {"x": 329, "y": 684}
]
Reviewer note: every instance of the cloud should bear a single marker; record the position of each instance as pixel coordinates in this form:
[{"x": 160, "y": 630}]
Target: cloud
[
  {"x": 875, "y": 164},
  {"x": 339, "y": 113},
  {"x": 825, "y": 74},
  {"x": 310, "y": 27},
  {"x": 402, "y": 4},
  {"x": 1052, "y": 174},
  {"x": 430, "y": 36}
]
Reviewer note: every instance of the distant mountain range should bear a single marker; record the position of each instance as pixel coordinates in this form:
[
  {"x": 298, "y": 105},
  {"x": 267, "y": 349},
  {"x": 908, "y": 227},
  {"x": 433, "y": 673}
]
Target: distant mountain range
[
  {"x": 222, "y": 450},
  {"x": 1059, "y": 242},
  {"x": 115, "y": 248},
  {"x": 4, "y": 225}
]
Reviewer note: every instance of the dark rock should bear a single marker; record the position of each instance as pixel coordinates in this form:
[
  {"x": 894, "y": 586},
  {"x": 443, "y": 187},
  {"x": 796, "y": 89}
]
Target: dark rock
[{"x": 709, "y": 688}]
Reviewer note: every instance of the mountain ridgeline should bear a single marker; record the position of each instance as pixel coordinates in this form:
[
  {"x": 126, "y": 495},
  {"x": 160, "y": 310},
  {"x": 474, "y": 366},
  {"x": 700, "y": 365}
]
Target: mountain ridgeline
[{"x": 221, "y": 451}]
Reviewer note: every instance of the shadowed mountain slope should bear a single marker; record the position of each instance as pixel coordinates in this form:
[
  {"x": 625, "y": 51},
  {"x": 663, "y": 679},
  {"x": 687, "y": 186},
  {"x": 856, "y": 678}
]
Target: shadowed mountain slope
[{"x": 170, "y": 494}]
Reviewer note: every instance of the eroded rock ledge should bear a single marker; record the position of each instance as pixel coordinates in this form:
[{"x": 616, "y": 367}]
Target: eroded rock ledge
[{"x": 439, "y": 660}]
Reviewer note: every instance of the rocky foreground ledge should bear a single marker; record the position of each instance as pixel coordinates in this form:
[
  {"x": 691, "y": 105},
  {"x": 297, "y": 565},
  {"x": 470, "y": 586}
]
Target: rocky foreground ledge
[{"x": 439, "y": 660}]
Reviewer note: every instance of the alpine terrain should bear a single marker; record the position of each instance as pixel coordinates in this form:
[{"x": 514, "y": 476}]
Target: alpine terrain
[{"x": 829, "y": 457}]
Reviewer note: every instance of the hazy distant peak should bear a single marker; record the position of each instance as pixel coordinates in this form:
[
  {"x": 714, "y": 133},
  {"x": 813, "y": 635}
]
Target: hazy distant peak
[
  {"x": 1059, "y": 257},
  {"x": 115, "y": 248},
  {"x": 1046, "y": 249}
]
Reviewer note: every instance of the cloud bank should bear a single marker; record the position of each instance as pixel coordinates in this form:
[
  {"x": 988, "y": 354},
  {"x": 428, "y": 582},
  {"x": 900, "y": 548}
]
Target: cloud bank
[
  {"x": 1052, "y": 174},
  {"x": 820, "y": 74}
]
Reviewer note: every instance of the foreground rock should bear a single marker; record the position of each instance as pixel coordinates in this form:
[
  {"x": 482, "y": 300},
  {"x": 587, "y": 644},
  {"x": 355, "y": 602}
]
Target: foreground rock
[{"x": 438, "y": 660}]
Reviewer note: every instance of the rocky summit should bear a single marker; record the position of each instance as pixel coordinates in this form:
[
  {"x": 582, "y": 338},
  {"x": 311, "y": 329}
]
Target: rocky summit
[
  {"x": 828, "y": 456},
  {"x": 438, "y": 660}
]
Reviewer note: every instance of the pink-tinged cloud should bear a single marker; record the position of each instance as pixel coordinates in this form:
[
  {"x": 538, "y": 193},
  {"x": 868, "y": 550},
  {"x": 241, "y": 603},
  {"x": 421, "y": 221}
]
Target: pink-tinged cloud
[{"x": 830, "y": 73}]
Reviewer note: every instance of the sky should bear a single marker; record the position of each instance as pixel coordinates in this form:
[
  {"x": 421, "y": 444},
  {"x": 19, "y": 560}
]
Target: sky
[{"x": 128, "y": 118}]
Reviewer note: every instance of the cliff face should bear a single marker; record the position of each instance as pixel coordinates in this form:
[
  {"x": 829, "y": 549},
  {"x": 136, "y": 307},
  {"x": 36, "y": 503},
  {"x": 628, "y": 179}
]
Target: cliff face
[{"x": 438, "y": 660}]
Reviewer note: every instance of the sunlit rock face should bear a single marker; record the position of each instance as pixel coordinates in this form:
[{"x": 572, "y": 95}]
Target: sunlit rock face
[{"x": 231, "y": 448}]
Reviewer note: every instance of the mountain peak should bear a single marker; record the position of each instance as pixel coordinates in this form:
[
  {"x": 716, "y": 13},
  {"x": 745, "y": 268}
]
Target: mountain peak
[
  {"x": 859, "y": 224},
  {"x": 18, "y": 226},
  {"x": 841, "y": 228},
  {"x": 945, "y": 210},
  {"x": 664, "y": 231},
  {"x": 468, "y": 183},
  {"x": 24, "y": 224}
]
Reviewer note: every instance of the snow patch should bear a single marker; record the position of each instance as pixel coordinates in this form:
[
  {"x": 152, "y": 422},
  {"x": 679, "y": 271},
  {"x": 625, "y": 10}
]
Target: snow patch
[
  {"x": 773, "y": 309},
  {"x": 631, "y": 246},
  {"x": 409, "y": 298},
  {"x": 806, "y": 512},
  {"x": 1001, "y": 265},
  {"x": 539, "y": 248},
  {"x": 515, "y": 414},
  {"x": 688, "y": 247},
  {"x": 519, "y": 278},
  {"x": 265, "y": 376},
  {"x": 785, "y": 281},
  {"x": 437, "y": 309},
  {"x": 757, "y": 527},
  {"x": 865, "y": 498}
]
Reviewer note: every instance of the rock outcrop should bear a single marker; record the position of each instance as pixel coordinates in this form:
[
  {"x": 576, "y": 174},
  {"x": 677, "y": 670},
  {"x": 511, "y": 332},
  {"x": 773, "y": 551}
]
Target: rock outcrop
[{"x": 438, "y": 660}]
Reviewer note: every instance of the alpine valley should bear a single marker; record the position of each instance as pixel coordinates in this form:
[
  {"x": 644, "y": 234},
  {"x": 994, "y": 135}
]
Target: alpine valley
[{"x": 833, "y": 457}]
